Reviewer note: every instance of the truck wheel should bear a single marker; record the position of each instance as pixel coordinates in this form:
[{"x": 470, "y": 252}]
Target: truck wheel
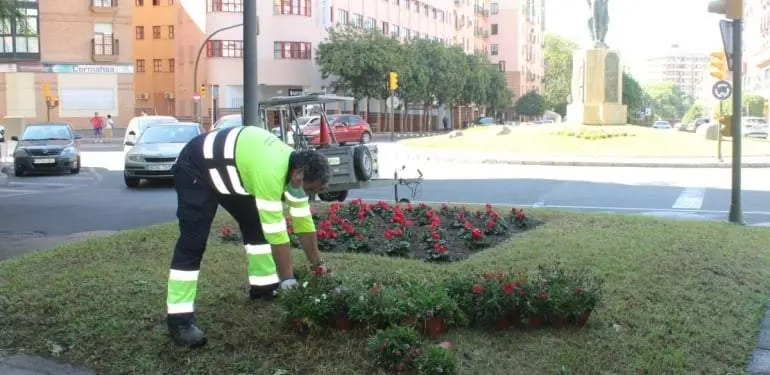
[
  {"x": 334, "y": 196},
  {"x": 363, "y": 163}
]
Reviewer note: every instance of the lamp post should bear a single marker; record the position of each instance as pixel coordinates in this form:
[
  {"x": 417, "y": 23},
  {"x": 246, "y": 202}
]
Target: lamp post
[{"x": 196, "y": 104}]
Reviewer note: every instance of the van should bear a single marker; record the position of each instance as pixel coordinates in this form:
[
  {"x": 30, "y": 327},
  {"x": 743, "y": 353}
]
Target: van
[{"x": 137, "y": 125}]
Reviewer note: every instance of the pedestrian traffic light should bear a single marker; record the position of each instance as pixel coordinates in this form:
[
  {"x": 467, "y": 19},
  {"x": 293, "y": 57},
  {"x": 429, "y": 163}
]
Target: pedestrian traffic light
[
  {"x": 393, "y": 81},
  {"x": 718, "y": 66},
  {"x": 732, "y": 9},
  {"x": 202, "y": 90}
]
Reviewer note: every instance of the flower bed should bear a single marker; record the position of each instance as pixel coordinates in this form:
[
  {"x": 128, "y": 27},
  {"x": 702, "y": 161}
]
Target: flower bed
[
  {"x": 415, "y": 231},
  {"x": 549, "y": 296}
]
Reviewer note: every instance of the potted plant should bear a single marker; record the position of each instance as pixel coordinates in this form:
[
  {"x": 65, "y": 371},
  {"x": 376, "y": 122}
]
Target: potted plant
[
  {"x": 492, "y": 300},
  {"x": 319, "y": 300},
  {"x": 435, "y": 309},
  {"x": 538, "y": 304},
  {"x": 588, "y": 294},
  {"x": 378, "y": 306},
  {"x": 395, "y": 349},
  {"x": 437, "y": 360}
]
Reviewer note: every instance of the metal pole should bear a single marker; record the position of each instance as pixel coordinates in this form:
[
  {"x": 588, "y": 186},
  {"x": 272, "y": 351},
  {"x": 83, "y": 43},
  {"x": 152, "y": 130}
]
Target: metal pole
[
  {"x": 250, "y": 87},
  {"x": 736, "y": 212},
  {"x": 196, "y": 103},
  {"x": 392, "y": 121},
  {"x": 719, "y": 129}
]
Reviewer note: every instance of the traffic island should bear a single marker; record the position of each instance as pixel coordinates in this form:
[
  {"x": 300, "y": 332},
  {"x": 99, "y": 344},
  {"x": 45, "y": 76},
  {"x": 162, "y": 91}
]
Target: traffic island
[{"x": 674, "y": 294}]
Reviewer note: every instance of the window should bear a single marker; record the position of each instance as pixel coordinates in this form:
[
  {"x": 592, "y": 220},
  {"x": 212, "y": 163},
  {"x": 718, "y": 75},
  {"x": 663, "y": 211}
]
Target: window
[
  {"x": 156, "y": 65},
  {"x": 384, "y": 28},
  {"x": 370, "y": 23},
  {"x": 494, "y": 8},
  {"x": 139, "y": 3},
  {"x": 171, "y": 31},
  {"x": 342, "y": 16},
  {"x": 155, "y": 3},
  {"x": 156, "y": 32},
  {"x": 228, "y": 6},
  {"x": 358, "y": 20},
  {"x": 494, "y": 49},
  {"x": 292, "y": 50},
  {"x": 103, "y": 3},
  {"x": 295, "y": 7},
  {"x": 139, "y": 32},
  {"x": 104, "y": 43},
  {"x": 171, "y": 65},
  {"x": 140, "y": 66},
  {"x": 18, "y": 42},
  {"x": 395, "y": 31},
  {"x": 224, "y": 48},
  {"x": 494, "y": 28}
]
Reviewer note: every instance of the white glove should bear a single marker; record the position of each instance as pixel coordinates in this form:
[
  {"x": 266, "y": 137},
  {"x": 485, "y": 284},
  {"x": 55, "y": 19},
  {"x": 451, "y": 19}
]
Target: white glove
[{"x": 287, "y": 284}]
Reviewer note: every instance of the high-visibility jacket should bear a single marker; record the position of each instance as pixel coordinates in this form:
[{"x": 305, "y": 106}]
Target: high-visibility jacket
[{"x": 252, "y": 161}]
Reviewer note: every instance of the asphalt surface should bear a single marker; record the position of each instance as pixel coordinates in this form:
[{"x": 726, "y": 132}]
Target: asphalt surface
[{"x": 38, "y": 212}]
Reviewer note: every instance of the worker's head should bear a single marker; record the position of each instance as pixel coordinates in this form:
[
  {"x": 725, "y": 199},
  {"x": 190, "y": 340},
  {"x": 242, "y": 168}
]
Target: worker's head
[{"x": 308, "y": 170}]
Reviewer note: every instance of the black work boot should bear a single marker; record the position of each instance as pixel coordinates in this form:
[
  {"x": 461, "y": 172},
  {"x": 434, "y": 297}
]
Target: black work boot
[
  {"x": 266, "y": 292},
  {"x": 188, "y": 335}
]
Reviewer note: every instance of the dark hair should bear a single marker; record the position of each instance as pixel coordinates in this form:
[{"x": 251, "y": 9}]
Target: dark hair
[{"x": 313, "y": 164}]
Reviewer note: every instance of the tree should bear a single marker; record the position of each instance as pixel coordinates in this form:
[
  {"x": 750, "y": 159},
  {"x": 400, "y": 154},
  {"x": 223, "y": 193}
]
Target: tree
[
  {"x": 695, "y": 111},
  {"x": 498, "y": 95},
  {"x": 633, "y": 94},
  {"x": 478, "y": 80},
  {"x": 753, "y": 105},
  {"x": 667, "y": 100},
  {"x": 531, "y": 104},
  {"x": 558, "y": 71}
]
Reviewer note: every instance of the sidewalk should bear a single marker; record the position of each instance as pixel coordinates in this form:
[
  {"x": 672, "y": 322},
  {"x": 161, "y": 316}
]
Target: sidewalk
[
  {"x": 88, "y": 135},
  {"x": 22, "y": 364},
  {"x": 579, "y": 161}
]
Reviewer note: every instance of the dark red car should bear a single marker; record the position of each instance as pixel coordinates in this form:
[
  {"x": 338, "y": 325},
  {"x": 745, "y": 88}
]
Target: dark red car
[{"x": 347, "y": 129}]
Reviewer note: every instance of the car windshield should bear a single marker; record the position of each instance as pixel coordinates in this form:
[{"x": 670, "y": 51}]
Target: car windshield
[
  {"x": 168, "y": 134},
  {"x": 46, "y": 133},
  {"x": 303, "y": 120},
  {"x": 229, "y": 122},
  {"x": 331, "y": 119},
  {"x": 144, "y": 123}
]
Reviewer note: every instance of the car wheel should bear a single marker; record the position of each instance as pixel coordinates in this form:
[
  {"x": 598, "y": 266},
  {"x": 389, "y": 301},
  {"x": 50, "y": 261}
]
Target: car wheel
[
  {"x": 131, "y": 182},
  {"x": 76, "y": 169},
  {"x": 366, "y": 137},
  {"x": 18, "y": 172},
  {"x": 334, "y": 196},
  {"x": 363, "y": 165}
]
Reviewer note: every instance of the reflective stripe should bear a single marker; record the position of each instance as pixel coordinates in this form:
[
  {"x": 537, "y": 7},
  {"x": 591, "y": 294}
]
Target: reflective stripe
[
  {"x": 218, "y": 183},
  {"x": 230, "y": 144},
  {"x": 299, "y": 211},
  {"x": 293, "y": 198},
  {"x": 259, "y": 249},
  {"x": 180, "y": 308},
  {"x": 208, "y": 146},
  {"x": 264, "y": 280},
  {"x": 274, "y": 227},
  {"x": 232, "y": 174},
  {"x": 183, "y": 275},
  {"x": 274, "y": 206}
]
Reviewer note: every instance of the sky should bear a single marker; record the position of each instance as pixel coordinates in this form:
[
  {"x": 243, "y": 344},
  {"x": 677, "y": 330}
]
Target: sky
[{"x": 641, "y": 28}]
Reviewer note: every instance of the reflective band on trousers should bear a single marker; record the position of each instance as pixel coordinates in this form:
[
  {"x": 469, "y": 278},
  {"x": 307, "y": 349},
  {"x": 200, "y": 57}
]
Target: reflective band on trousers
[
  {"x": 259, "y": 249},
  {"x": 263, "y": 205},
  {"x": 274, "y": 227},
  {"x": 180, "y": 308},
  {"x": 264, "y": 280},
  {"x": 183, "y": 275}
]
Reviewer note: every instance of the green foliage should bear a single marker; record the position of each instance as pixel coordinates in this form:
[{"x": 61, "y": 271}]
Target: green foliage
[
  {"x": 531, "y": 104},
  {"x": 668, "y": 101},
  {"x": 8, "y": 10},
  {"x": 695, "y": 111},
  {"x": 558, "y": 71},
  {"x": 633, "y": 94},
  {"x": 753, "y": 105}
]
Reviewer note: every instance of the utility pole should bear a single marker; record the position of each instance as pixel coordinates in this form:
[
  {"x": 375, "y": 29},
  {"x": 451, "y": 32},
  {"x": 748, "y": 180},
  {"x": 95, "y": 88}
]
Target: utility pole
[{"x": 250, "y": 64}]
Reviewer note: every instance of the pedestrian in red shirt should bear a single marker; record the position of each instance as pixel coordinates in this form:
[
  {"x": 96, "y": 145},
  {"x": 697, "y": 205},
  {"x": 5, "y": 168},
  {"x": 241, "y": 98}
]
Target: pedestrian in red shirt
[{"x": 97, "y": 122}]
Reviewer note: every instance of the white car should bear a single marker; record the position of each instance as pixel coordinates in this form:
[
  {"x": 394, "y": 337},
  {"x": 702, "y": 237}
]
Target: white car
[
  {"x": 661, "y": 124},
  {"x": 137, "y": 125}
]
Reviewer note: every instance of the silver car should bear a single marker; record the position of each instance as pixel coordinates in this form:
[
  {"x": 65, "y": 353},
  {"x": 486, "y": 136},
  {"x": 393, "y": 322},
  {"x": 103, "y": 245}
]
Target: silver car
[{"x": 156, "y": 151}]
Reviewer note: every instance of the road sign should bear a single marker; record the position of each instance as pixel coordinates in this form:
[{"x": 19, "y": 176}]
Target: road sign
[
  {"x": 726, "y": 28},
  {"x": 392, "y": 102},
  {"x": 196, "y": 97},
  {"x": 722, "y": 90}
]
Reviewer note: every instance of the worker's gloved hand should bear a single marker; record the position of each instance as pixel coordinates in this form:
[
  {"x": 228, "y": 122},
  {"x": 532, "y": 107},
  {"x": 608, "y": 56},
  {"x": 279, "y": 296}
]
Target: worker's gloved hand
[{"x": 287, "y": 284}]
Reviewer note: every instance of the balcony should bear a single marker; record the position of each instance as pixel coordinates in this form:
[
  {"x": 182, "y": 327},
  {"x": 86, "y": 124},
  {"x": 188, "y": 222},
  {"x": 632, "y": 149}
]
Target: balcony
[
  {"x": 105, "y": 48},
  {"x": 104, "y": 6}
]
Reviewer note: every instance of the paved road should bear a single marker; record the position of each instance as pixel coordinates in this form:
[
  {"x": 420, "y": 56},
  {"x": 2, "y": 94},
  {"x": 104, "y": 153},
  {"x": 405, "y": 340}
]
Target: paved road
[{"x": 97, "y": 200}]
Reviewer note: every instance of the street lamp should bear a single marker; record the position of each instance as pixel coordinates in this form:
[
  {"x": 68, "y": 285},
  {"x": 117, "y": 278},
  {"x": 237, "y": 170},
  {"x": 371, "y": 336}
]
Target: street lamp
[{"x": 196, "y": 104}]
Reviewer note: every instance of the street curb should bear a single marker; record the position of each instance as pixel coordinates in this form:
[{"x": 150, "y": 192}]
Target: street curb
[
  {"x": 759, "y": 364},
  {"x": 27, "y": 364},
  {"x": 586, "y": 163}
]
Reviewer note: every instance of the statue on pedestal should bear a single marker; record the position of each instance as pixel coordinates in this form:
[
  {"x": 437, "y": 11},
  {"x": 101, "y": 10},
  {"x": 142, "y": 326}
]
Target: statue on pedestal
[{"x": 598, "y": 22}]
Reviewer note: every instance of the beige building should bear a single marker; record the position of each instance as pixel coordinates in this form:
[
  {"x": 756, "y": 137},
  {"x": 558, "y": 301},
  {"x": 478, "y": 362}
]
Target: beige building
[
  {"x": 685, "y": 69},
  {"x": 516, "y": 43},
  {"x": 78, "y": 51}
]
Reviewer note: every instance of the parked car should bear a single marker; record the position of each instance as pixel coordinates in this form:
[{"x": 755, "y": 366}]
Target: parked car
[
  {"x": 300, "y": 122},
  {"x": 347, "y": 129},
  {"x": 228, "y": 121},
  {"x": 50, "y": 147},
  {"x": 693, "y": 126},
  {"x": 137, "y": 125},
  {"x": 755, "y": 127},
  {"x": 156, "y": 151},
  {"x": 2, "y": 133},
  {"x": 661, "y": 124}
]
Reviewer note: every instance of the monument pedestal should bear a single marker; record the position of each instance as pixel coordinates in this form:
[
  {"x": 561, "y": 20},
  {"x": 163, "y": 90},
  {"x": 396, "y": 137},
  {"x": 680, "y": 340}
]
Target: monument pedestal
[{"x": 597, "y": 88}]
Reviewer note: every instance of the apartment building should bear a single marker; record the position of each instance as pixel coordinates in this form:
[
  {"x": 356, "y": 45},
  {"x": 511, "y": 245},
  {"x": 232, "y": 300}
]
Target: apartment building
[
  {"x": 155, "y": 55},
  {"x": 756, "y": 36},
  {"x": 516, "y": 43},
  {"x": 685, "y": 69},
  {"x": 290, "y": 31},
  {"x": 78, "y": 51}
]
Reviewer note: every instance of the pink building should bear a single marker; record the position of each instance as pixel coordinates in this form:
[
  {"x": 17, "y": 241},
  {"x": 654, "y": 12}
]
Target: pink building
[
  {"x": 516, "y": 41},
  {"x": 290, "y": 31}
]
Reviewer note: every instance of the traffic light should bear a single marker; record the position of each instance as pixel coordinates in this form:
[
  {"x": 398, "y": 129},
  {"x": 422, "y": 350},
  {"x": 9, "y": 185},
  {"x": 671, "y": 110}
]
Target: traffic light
[
  {"x": 726, "y": 125},
  {"x": 732, "y": 9},
  {"x": 202, "y": 90},
  {"x": 46, "y": 90},
  {"x": 718, "y": 66},
  {"x": 393, "y": 81}
]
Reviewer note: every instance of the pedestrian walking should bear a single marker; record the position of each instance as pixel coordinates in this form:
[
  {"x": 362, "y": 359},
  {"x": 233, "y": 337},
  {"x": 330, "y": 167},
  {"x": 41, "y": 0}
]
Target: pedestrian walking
[
  {"x": 97, "y": 123},
  {"x": 109, "y": 126},
  {"x": 250, "y": 173}
]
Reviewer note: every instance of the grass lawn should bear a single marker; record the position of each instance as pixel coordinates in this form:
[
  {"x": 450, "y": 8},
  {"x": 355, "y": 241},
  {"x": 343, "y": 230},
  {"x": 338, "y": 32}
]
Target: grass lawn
[
  {"x": 544, "y": 140},
  {"x": 680, "y": 297}
]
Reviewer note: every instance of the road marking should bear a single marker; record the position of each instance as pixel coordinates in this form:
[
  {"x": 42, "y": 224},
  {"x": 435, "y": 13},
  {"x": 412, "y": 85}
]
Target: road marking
[
  {"x": 36, "y": 183},
  {"x": 690, "y": 199},
  {"x": 16, "y": 191}
]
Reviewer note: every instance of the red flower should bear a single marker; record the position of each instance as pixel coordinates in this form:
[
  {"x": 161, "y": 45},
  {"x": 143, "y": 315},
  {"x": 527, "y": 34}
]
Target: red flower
[
  {"x": 409, "y": 207},
  {"x": 477, "y": 289},
  {"x": 578, "y": 291},
  {"x": 429, "y": 214},
  {"x": 359, "y": 237},
  {"x": 331, "y": 233},
  {"x": 488, "y": 207},
  {"x": 509, "y": 288},
  {"x": 440, "y": 248},
  {"x": 226, "y": 231},
  {"x": 388, "y": 235},
  {"x": 468, "y": 225},
  {"x": 376, "y": 288},
  {"x": 321, "y": 233},
  {"x": 320, "y": 271},
  {"x": 491, "y": 224},
  {"x": 520, "y": 215},
  {"x": 435, "y": 235},
  {"x": 477, "y": 234},
  {"x": 289, "y": 228},
  {"x": 357, "y": 202}
]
